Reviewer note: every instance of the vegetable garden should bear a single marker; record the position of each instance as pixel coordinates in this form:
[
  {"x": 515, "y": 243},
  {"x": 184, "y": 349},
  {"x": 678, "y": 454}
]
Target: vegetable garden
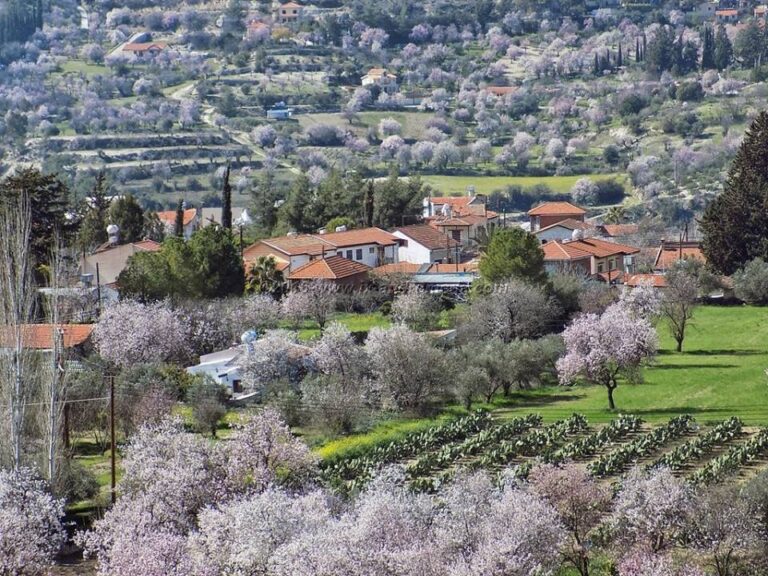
[{"x": 702, "y": 454}]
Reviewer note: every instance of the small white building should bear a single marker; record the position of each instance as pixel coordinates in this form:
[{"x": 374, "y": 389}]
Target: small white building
[
  {"x": 565, "y": 230},
  {"x": 223, "y": 367},
  {"x": 423, "y": 244}
]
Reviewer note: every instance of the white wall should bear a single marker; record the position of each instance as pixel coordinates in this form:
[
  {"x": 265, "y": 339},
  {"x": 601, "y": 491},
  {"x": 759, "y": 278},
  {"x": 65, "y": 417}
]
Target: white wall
[
  {"x": 556, "y": 233},
  {"x": 369, "y": 254}
]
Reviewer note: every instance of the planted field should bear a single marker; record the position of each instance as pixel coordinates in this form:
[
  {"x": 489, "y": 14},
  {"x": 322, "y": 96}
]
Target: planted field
[
  {"x": 478, "y": 442},
  {"x": 453, "y": 185}
]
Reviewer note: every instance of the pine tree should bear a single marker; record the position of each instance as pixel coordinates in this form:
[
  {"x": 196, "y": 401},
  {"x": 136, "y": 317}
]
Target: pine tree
[
  {"x": 723, "y": 50},
  {"x": 178, "y": 229},
  {"x": 735, "y": 224},
  {"x": 226, "y": 201}
]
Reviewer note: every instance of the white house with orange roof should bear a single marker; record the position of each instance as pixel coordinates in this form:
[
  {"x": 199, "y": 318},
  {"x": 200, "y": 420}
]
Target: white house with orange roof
[
  {"x": 369, "y": 246},
  {"x": 596, "y": 257},
  {"x": 548, "y": 213},
  {"x": 382, "y": 78},
  {"x": 191, "y": 221},
  {"x": 290, "y": 12}
]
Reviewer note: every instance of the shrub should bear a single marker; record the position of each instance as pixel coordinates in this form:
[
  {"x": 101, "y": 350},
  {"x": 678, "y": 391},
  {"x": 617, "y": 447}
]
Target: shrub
[{"x": 750, "y": 284}]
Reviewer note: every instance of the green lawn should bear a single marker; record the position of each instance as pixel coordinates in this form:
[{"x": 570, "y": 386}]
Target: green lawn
[
  {"x": 81, "y": 66},
  {"x": 720, "y": 373},
  {"x": 413, "y": 123},
  {"x": 354, "y": 322},
  {"x": 453, "y": 185}
]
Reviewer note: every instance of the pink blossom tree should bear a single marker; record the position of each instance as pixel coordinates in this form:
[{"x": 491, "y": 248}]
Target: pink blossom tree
[
  {"x": 132, "y": 333},
  {"x": 31, "y": 532},
  {"x": 603, "y": 348},
  {"x": 580, "y": 503}
]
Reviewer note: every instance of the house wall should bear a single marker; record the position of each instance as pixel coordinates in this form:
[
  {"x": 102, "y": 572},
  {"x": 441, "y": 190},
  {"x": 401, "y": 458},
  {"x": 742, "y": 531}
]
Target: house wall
[
  {"x": 557, "y": 233},
  {"x": 539, "y": 222},
  {"x": 111, "y": 262},
  {"x": 369, "y": 254}
]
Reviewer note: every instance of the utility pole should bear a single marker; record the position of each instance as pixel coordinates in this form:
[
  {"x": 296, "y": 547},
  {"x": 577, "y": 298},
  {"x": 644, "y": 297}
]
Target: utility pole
[
  {"x": 98, "y": 291},
  {"x": 112, "y": 434}
]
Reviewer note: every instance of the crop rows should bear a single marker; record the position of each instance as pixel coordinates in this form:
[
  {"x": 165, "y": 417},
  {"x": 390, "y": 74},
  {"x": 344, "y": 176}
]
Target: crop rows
[
  {"x": 729, "y": 463},
  {"x": 617, "y": 429},
  {"x": 615, "y": 461},
  {"x": 448, "y": 454},
  {"x": 533, "y": 443},
  {"x": 356, "y": 470},
  {"x": 698, "y": 447}
]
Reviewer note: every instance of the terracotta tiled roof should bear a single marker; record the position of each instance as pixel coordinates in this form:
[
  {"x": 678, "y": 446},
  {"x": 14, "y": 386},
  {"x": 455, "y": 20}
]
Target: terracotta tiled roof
[
  {"x": 729, "y": 12},
  {"x": 331, "y": 268},
  {"x": 463, "y": 221},
  {"x": 446, "y": 268},
  {"x": 556, "y": 209},
  {"x": 168, "y": 217},
  {"x": 614, "y": 230},
  {"x": 280, "y": 265},
  {"x": 453, "y": 201},
  {"x": 291, "y": 5},
  {"x": 359, "y": 237},
  {"x": 40, "y": 336},
  {"x": 500, "y": 90},
  {"x": 568, "y": 223},
  {"x": 140, "y": 246},
  {"x": 557, "y": 251},
  {"x": 295, "y": 245},
  {"x": 602, "y": 248},
  {"x": 428, "y": 237},
  {"x": 397, "y": 268},
  {"x": 668, "y": 254},
  {"x": 655, "y": 280},
  {"x": 613, "y": 276},
  {"x": 143, "y": 46}
]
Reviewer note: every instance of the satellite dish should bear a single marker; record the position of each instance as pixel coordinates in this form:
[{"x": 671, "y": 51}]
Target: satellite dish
[
  {"x": 446, "y": 210},
  {"x": 113, "y": 233},
  {"x": 577, "y": 234}
]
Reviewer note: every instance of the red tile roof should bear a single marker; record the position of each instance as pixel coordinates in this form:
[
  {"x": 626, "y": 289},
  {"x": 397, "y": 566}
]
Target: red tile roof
[
  {"x": 670, "y": 253},
  {"x": 556, "y": 209},
  {"x": 569, "y": 223},
  {"x": 655, "y": 280},
  {"x": 445, "y": 268},
  {"x": 295, "y": 245},
  {"x": 143, "y": 46},
  {"x": 359, "y": 237},
  {"x": 500, "y": 90},
  {"x": 331, "y": 268},
  {"x": 728, "y": 12},
  {"x": 614, "y": 230},
  {"x": 291, "y": 5},
  {"x": 40, "y": 336},
  {"x": 168, "y": 217},
  {"x": 557, "y": 251},
  {"x": 453, "y": 201},
  {"x": 612, "y": 276},
  {"x": 397, "y": 268},
  {"x": 140, "y": 246},
  {"x": 602, "y": 248},
  {"x": 428, "y": 237}
]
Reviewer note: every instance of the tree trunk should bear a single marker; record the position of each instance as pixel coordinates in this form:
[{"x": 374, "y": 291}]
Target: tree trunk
[
  {"x": 679, "y": 344},
  {"x": 611, "y": 404}
]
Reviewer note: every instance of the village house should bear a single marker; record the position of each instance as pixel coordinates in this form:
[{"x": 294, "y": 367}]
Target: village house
[
  {"x": 567, "y": 229},
  {"x": 144, "y": 49},
  {"x": 223, "y": 367},
  {"x": 594, "y": 257},
  {"x": 760, "y": 12},
  {"x": 382, "y": 78},
  {"x": 256, "y": 30},
  {"x": 191, "y": 222},
  {"x": 106, "y": 262},
  {"x": 369, "y": 246},
  {"x": 343, "y": 273},
  {"x": 463, "y": 218},
  {"x": 290, "y": 12},
  {"x": 728, "y": 16},
  {"x": 548, "y": 213},
  {"x": 652, "y": 280},
  {"x": 670, "y": 252},
  {"x": 279, "y": 111},
  {"x": 75, "y": 339},
  {"x": 617, "y": 231},
  {"x": 424, "y": 243}
]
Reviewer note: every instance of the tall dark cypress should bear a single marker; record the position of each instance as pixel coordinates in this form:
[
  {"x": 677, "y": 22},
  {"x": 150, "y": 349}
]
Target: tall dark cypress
[
  {"x": 368, "y": 204},
  {"x": 226, "y": 202},
  {"x": 619, "y": 58},
  {"x": 735, "y": 224},
  {"x": 178, "y": 229}
]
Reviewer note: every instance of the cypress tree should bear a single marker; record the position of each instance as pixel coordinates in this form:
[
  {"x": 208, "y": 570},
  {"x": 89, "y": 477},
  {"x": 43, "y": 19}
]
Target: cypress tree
[
  {"x": 597, "y": 65},
  {"x": 178, "y": 229},
  {"x": 226, "y": 202},
  {"x": 723, "y": 50},
  {"x": 735, "y": 224},
  {"x": 708, "y": 50},
  {"x": 619, "y": 58}
]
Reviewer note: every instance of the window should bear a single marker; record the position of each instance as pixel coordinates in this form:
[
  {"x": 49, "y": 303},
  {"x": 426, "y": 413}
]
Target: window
[
  {"x": 456, "y": 235},
  {"x": 612, "y": 264},
  {"x": 600, "y": 268},
  {"x": 349, "y": 254},
  {"x": 359, "y": 254},
  {"x": 371, "y": 250}
]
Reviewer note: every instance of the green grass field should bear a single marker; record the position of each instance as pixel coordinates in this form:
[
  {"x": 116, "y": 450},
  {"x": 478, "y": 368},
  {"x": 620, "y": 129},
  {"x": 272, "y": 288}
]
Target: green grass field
[
  {"x": 453, "y": 185},
  {"x": 413, "y": 123},
  {"x": 354, "y": 322},
  {"x": 83, "y": 67},
  {"x": 720, "y": 373}
]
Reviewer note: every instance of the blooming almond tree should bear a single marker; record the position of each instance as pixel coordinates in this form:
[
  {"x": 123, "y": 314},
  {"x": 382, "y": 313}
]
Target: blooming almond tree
[
  {"x": 579, "y": 501},
  {"x": 603, "y": 348},
  {"x": 30, "y": 524},
  {"x": 132, "y": 333}
]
